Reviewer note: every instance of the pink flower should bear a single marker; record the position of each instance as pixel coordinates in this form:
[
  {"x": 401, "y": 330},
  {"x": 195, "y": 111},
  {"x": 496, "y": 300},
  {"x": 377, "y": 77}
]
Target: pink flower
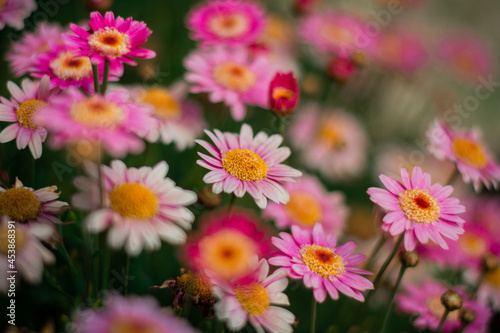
[
  {"x": 230, "y": 22},
  {"x": 141, "y": 206},
  {"x": 23, "y": 110},
  {"x": 129, "y": 315},
  {"x": 418, "y": 209},
  {"x": 309, "y": 204},
  {"x": 230, "y": 76},
  {"x": 116, "y": 40},
  {"x": 225, "y": 243},
  {"x": 314, "y": 257},
  {"x": 112, "y": 120},
  {"x": 425, "y": 302},
  {"x": 342, "y": 68},
  {"x": 241, "y": 163},
  {"x": 283, "y": 93},
  {"x": 473, "y": 159},
  {"x": 26, "y": 51},
  {"x": 13, "y": 12},
  {"x": 253, "y": 299}
]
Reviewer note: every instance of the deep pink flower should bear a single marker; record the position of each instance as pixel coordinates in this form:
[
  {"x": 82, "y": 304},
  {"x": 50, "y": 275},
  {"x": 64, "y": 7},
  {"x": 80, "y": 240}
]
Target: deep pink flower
[
  {"x": 325, "y": 267},
  {"x": 13, "y": 12},
  {"x": 229, "y": 22},
  {"x": 116, "y": 40},
  {"x": 342, "y": 68},
  {"x": 421, "y": 210},
  {"x": 283, "y": 93}
]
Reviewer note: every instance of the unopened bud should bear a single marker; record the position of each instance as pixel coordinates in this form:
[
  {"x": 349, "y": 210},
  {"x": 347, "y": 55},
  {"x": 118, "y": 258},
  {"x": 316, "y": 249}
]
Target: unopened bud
[
  {"x": 100, "y": 5},
  {"x": 467, "y": 315},
  {"x": 409, "y": 259},
  {"x": 451, "y": 300},
  {"x": 490, "y": 262},
  {"x": 283, "y": 94},
  {"x": 209, "y": 199}
]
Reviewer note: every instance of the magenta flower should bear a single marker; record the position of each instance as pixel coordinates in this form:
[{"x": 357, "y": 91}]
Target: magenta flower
[
  {"x": 342, "y": 68},
  {"x": 473, "y": 159},
  {"x": 23, "y": 109},
  {"x": 13, "y": 12},
  {"x": 116, "y": 40},
  {"x": 283, "y": 93},
  {"x": 230, "y": 22},
  {"x": 241, "y": 163},
  {"x": 421, "y": 210},
  {"x": 324, "y": 267},
  {"x": 230, "y": 76}
]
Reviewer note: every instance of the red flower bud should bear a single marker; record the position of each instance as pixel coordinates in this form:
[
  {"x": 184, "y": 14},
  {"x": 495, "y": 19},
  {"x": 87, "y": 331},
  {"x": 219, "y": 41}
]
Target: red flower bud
[{"x": 283, "y": 93}]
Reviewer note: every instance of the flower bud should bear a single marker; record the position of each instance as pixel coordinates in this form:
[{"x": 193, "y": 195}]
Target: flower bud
[
  {"x": 209, "y": 199},
  {"x": 451, "y": 300},
  {"x": 490, "y": 262},
  {"x": 409, "y": 259},
  {"x": 467, "y": 315},
  {"x": 283, "y": 94},
  {"x": 303, "y": 6},
  {"x": 342, "y": 69},
  {"x": 100, "y": 5}
]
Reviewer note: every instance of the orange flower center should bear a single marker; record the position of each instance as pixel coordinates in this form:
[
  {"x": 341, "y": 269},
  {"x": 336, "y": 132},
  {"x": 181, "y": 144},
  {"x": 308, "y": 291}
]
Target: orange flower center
[
  {"x": 110, "y": 42},
  {"x": 20, "y": 204},
  {"x": 20, "y": 241},
  {"x": 469, "y": 152},
  {"x": 134, "y": 201},
  {"x": 97, "y": 112},
  {"x": 329, "y": 134},
  {"x": 391, "y": 48},
  {"x": 245, "y": 164},
  {"x": 69, "y": 67},
  {"x": 337, "y": 35},
  {"x": 164, "y": 104},
  {"x": 419, "y": 206},
  {"x": 133, "y": 325},
  {"x": 2, "y": 2},
  {"x": 322, "y": 260},
  {"x": 234, "y": 76},
  {"x": 27, "y": 111},
  {"x": 473, "y": 245},
  {"x": 280, "y": 92},
  {"x": 253, "y": 298},
  {"x": 304, "y": 208},
  {"x": 437, "y": 308},
  {"x": 228, "y": 25},
  {"x": 493, "y": 277}
]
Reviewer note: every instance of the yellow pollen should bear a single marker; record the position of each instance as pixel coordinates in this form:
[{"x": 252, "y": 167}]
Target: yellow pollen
[
  {"x": 228, "y": 25},
  {"x": 322, "y": 260},
  {"x": 133, "y": 325},
  {"x": 234, "y": 76},
  {"x": 134, "y": 201},
  {"x": 469, "y": 152},
  {"x": 95, "y": 111},
  {"x": 196, "y": 284},
  {"x": 27, "y": 111},
  {"x": 419, "y": 206},
  {"x": 280, "y": 92},
  {"x": 20, "y": 237},
  {"x": 20, "y": 204},
  {"x": 245, "y": 164},
  {"x": 435, "y": 306},
  {"x": 164, "y": 104},
  {"x": 110, "y": 42},
  {"x": 493, "y": 277},
  {"x": 227, "y": 253},
  {"x": 337, "y": 35},
  {"x": 67, "y": 66},
  {"x": 473, "y": 245},
  {"x": 329, "y": 134},
  {"x": 304, "y": 208},
  {"x": 253, "y": 298}
]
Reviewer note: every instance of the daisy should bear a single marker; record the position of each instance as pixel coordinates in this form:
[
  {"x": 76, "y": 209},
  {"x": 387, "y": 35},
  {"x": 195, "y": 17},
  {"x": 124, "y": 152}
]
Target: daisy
[
  {"x": 112, "y": 120},
  {"x": 225, "y": 243},
  {"x": 115, "y": 40},
  {"x": 230, "y": 22},
  {"x": 30, "y": 254},
  {"x": 418, "y": 209},
  {"x": 473, "y": 159},
  {"x": 25, "y": 106},
  {"x": 314, "y": 257},
  {"x": 230, "y": 76},
  {"x": 309, "y": 204},
  {"x": 141, "y": 208},
  {"x": 425, "y": 302},
  {"x": 253, "y": 299},
  {"x": 180, "y": 121},
  {"x": 241, "y": 163},
  {"x": 132, "y": 314},
  {"x": 13, "y": 12},
  {"x": 25, "y": 51}
]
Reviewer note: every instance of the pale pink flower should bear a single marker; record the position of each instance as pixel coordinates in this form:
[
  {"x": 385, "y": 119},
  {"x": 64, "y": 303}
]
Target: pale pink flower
[{"x": 14, "y": 12}]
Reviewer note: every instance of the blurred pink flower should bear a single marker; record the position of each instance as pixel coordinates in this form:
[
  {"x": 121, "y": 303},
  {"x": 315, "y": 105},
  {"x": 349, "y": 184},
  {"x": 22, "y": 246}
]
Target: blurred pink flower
[{"x": 13, "y": 12}]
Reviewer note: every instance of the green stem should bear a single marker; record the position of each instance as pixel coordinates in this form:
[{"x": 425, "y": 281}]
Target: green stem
[
  {"x": 443, "y": 319},
  {"x": 95, "y": 72},
  {"x": 66, "y": 255},
  {"x": 105, "y": 262},
  {"x": 453, "y": 176},
  {"x": 127, "y": 271},
  {"x": 463, "y": 327},
  {"x": 391, "y": 302},
  {"x": 313, "y": 315},
  {"x": 388, "y": 260},
  {"x": 104, "y": 85},
  {"x": 231, "y": 204},
  {"x": 378, "y": 246}
]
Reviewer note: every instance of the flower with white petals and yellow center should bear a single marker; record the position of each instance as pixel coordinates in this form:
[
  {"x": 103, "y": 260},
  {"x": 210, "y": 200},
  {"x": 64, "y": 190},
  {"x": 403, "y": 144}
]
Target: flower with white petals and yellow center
[
  {"x": 245, "y": 164},
  {"x": 27, "y": 111},
  {"x": 110, "y": 42},
  {"x": 134, "y": 201},
  {"x": 253, "y": 298}
]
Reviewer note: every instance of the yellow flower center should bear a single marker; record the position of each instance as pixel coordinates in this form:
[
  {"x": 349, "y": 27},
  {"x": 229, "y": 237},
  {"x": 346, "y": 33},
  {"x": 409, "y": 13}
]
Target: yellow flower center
[
  {"x": 234, "y": 76},
  {"x": 322, "y": 260},
  {"x": 67, "y": 66},
  {"x": 304, "y": 208},
  {"x": 20, "y": 237},
  {"x": 469, "y": 152},
  {"x": 27, "y": 111},
  {"x": 228, "y": 25},
  {"x": 337, "y": 35},
  {"x": 280, "y": 92},
  {"x": 473, "y": 245},
  {"x": 133, "y": 325},
  {"x": 109, "y": 42},
  {"x": 196, "y": 284},
  {"x": 227, "y": 253},
  {"x": 419, "y": 206},
  {"x": 493, "y": 277},
  {"x": 329, "y": 134},
  {"x": 245, "y": 164},
  {"x": 95, "y": 111},
  {"x": 164, "y": 104},
  {"x": 134, "y": 201},
  {"x": 435, "y": 306},
  {"x": 253, "y": 298},
  {"x": 20, "y": 204}
]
